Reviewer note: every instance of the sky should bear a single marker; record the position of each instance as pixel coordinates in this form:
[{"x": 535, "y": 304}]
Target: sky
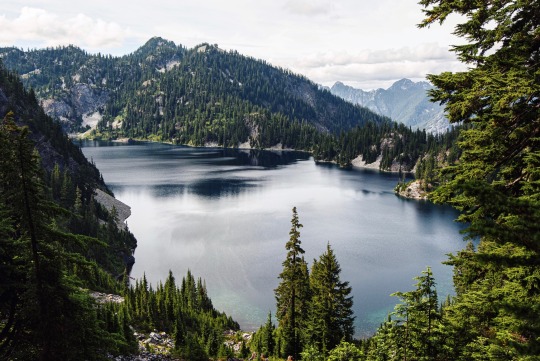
[{"x": 366, "y": 44}]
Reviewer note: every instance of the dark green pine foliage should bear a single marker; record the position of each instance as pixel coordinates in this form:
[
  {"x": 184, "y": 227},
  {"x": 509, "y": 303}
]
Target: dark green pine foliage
[
  {"x": 331, "y": 317},
  {"x": 496, "y": 183},
  {"x": 185, "y": 312},
  {"x": 45, "y": 314},
  {"x": 165, "y": 92},
  {"x": 415, "y": 330},
  {"x": 417, "y": 321},
  {"x": 264, "y": 340},
  {"x": 269, "y": 342},
  {"x": 56, "y": 242},
  {"x": 292, "y": 294}
]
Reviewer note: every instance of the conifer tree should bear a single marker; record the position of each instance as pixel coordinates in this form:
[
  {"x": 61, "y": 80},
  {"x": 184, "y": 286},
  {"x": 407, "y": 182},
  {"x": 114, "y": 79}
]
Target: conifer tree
[
  {"x": 331, "y": 317},
  {"x": 495, "y": 184},
  {"x": 47, "y": 314},
  {"x": 417, "y": 319},
  {"x": 268, "y": 337},
  {"x": 292, "y": 294}
]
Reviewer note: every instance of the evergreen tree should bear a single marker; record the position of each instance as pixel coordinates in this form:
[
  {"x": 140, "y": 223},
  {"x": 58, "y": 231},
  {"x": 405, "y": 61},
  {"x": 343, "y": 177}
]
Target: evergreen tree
[
  {"x": 331, "y": 317},
  {"x": 345, "y": 351},
  {"x": 48, "y": 315},
  {"x": 417, "y": 319},
  {"x": 292, "y": 293},
  {"x": 495, "y": 185},
  {"x": 268, "y": 341}
]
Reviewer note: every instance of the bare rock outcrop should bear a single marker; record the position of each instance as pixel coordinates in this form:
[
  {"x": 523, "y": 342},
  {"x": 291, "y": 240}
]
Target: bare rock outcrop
[
  {"x": 412, "y": 190},
  {"x": 123, "y": 211}
]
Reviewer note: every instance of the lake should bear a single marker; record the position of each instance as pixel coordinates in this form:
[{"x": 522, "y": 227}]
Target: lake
[{"x": 225, "y": 215}]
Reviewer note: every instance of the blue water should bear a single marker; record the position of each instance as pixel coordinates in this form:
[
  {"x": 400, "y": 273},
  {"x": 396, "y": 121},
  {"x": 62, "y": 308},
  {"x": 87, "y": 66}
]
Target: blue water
[{"x": 225, "y": 215}]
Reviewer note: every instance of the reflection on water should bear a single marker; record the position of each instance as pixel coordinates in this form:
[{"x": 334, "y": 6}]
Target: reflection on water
[{"x": 225, "y": 215}]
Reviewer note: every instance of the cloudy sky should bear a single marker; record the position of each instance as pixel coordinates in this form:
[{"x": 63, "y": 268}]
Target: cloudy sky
[{"x": 364, "y": 43}]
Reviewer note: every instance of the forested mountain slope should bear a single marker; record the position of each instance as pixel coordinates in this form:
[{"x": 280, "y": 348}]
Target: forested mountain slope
[
  {"x": 205, "y": 96},
  {"x": 170, "y": 93},
  {"x": 58, "y": 245}
]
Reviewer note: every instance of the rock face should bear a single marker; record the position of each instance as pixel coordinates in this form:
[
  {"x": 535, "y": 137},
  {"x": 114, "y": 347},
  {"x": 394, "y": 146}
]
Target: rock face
[
  {"x": 106, "y": 297},
  {"x": 123, "y": 211},
  {"x": 412, "y": 190},
  {"x": 405, "y": 102},
  {"x": 81, "y": 102},
  {"x": 87, "y": 99}
]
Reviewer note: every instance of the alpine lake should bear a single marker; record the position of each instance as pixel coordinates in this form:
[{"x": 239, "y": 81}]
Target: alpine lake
[{"x": 225, "y": 215}]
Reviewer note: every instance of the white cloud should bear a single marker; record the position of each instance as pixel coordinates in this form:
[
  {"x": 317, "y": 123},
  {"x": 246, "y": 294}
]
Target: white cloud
[
  {"x": 326, "y": 40},
  {"x": 49, "y": 29},
  {"x": 370, "y": 69},
  {"x": 423, "y": 52},
  {"x": 308, "y": 8}
]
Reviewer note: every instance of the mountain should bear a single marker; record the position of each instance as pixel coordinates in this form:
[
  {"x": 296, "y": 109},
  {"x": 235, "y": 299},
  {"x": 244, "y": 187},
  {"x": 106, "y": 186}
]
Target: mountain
[
  {"x": 404, "y": 102},
  {"x": 209, "y": 97},
  {"x": 166, "y": 92}
]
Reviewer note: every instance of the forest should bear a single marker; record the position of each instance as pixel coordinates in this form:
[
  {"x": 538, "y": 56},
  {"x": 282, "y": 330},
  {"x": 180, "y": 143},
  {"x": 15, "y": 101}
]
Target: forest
[{"x": 58, "y": 245}]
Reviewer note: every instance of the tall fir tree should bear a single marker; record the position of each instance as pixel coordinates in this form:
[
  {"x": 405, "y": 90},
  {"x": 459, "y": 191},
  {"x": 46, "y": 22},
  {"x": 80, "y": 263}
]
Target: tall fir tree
[
  {"x": 496, "y": 183},
  {"x": 293, "y": 293},
  {"x": 48, "y": 316},
  {"x": 418, "y": 318},
  {"x": 331, "y": 317}
]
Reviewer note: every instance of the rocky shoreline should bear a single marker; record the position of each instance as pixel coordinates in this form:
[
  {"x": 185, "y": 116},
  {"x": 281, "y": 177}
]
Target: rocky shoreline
[{"x": 412, "y": 190}]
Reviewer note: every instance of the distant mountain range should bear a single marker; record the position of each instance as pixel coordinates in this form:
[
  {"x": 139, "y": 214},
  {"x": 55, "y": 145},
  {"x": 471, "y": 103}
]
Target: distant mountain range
[{"x": 405, "y": 102}]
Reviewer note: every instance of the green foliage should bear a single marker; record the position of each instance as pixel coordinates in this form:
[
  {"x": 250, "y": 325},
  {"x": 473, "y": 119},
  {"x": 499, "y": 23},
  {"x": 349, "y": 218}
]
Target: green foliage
[
  {"x": 47, "y": 316},
  {"x": 495, "y": 313},
  {"x": 163, "y": 92},
  {"x": 345, "y": 351},
  {"x": 314, "y": 311},
  {"x": 264, "y": 340},
  {"x": 184, "y": 311},
  {"x": 190, "y": 96},
  {"x": 330, "y": 313},
  {"x": 57, "y": 242},
  {"x": 495, "y": 184},
  {"x": 311, "y": 353},
  {"x": 417, "y": 319},
  {"x": 293, "y": 293}
]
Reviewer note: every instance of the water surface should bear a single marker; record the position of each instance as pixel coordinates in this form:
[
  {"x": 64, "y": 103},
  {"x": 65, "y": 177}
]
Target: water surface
[{"x": 225, "y": 215}]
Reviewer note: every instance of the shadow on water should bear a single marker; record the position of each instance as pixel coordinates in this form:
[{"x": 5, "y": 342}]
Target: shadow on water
[
  {"x": 257, "y": 158},
  {"x": 219, "y": 187}
]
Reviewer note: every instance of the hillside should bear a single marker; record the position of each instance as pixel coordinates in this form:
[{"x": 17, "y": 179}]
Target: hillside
[
  {"x": 404, "y": 102},
  {"x": 166, "y": 92},
  {"x": 66, "y": 254},
  {"x": 206, "y": 96}
]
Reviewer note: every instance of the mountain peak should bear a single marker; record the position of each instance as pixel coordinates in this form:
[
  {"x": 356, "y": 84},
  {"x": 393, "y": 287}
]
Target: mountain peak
[
  {"x": 154, "y": 44},
  {"x": 403, "y": 84},
  {"x": 405, "y": 101}
]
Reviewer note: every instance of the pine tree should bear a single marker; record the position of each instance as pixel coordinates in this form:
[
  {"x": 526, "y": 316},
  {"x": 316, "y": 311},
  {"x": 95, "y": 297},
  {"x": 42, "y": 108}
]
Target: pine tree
[
  {"x": 268, "y": 338},
  {"x": 48, "y": 315},
  {"x": 418, "y": 318},
  {"x": 495, "y": 184},
  {"x": 331, "y": 317},
  {"x": 292, "y": 294}
]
